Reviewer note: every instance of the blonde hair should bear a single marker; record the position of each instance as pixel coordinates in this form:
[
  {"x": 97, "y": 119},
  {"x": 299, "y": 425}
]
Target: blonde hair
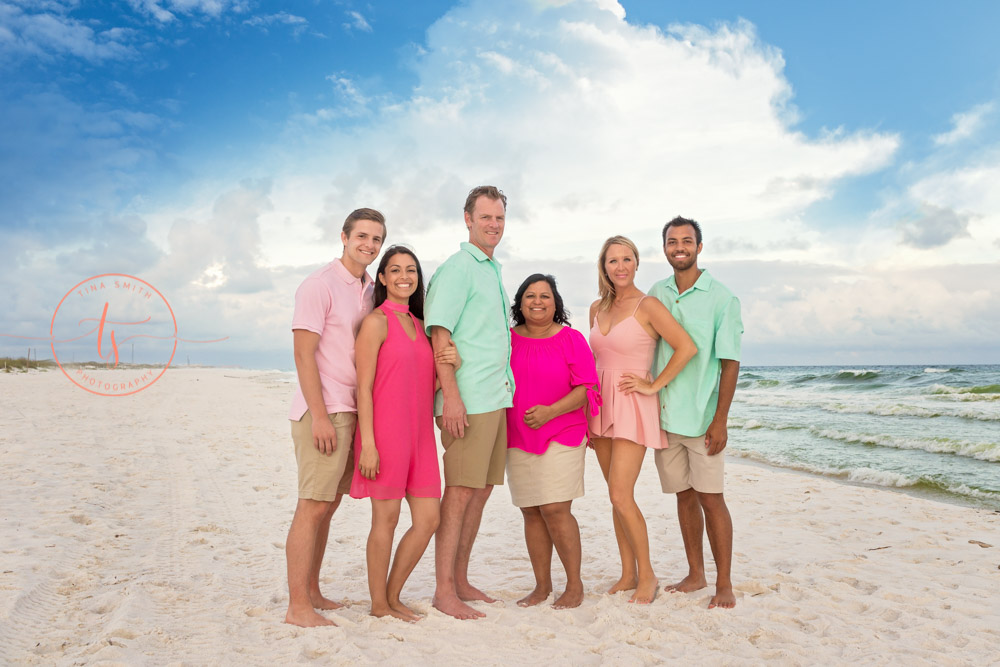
[{"x": 605, "y": 288}]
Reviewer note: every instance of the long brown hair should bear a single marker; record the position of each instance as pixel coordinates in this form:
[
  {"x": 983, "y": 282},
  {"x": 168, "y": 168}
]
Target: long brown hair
[
  {"x": 381, "y": 293},
  {"x": 606, "y": 288}
]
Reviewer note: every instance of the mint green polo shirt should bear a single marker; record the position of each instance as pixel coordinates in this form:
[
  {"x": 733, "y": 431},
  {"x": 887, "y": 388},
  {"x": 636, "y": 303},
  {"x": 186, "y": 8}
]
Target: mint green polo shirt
[
  {"x": 466, "y": 297},
  {"x": 710, "y": 313}
]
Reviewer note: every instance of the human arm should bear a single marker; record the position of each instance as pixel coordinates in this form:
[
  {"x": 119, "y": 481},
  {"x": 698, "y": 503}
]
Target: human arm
[
  {"x": 454, "y": 417},
  {"x": 673, "y": 333},
  {"x": 305, "y": 343},
  {"x": 371, "y": 335},
  {"x": 539, "y": 415},
  {"x": 717, "y": 434}
]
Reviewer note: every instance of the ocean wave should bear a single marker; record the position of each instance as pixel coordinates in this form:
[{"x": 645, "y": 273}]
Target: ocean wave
[
  {"x": 754, "y": 424},
  {"x": 985, "y": 390},
  {"x": 938, "y": 370},
  {"x": 873, "y": 477},
  {"x": 852, "y": 374},
  {"x": 983, "y": 451}
]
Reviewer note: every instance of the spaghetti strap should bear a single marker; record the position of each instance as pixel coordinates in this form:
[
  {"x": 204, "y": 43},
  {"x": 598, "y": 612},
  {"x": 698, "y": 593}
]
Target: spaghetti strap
[{"x": 639, "y": 304}]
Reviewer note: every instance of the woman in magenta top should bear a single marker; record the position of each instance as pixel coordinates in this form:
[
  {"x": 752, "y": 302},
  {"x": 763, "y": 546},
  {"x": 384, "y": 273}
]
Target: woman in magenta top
[
  {"x": 555, "y": 377},
  {"x": 395, "y": 450}
]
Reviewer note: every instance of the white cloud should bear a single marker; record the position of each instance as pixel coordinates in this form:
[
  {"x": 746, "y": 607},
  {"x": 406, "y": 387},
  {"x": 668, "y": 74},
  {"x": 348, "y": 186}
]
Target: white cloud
[
  {"x": 166, "y": 11},
  {"x": 965, "y": 125},
  {"x": 47, "y": 35},
  {"x": 357, "y": 22},
  {"x": 298, "y": 23}
]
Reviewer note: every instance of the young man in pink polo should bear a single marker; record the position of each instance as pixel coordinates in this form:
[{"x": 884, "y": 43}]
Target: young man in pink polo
[{"x": 329, "y": 307}]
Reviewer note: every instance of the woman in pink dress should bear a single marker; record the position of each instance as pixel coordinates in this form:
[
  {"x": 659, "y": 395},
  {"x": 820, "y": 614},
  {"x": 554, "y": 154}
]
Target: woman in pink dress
[
  {"x": 554, "y": 375},
  {"x": 397, "y": 455},
  {"x": 624, "y": 329}
]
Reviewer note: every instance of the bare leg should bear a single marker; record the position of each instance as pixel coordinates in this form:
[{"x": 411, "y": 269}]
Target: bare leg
[
  {"x": 385, "y": 517},
  {"x": 453, "y": 505},
  {"x": 689, "y": 515},
  {"x": 319, "y": 601},
  {"x": 536, "y": 537},
  {"x": 564, "y": 532},
  {"x": 626, "y": 461},
  {"x": 629, "y": 577},
  {"x": 470, "y": 528},
  {"x": 425, "y": 513},
  {"x": 720, "y": 537},
  {"x": 300, "y": 551}
]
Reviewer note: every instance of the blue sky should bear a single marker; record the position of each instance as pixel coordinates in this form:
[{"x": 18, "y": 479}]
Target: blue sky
[{"x": 841, "y": 156}]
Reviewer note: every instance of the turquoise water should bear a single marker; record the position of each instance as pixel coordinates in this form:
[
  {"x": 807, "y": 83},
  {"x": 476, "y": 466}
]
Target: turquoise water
[{"x": 928, "y": 429}]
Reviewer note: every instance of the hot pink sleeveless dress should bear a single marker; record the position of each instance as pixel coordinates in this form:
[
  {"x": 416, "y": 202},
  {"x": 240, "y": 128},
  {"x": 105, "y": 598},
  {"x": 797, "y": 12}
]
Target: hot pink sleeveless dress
[
  {"x": 627, "y": 348},
  {"x": 403, "y": 398}
]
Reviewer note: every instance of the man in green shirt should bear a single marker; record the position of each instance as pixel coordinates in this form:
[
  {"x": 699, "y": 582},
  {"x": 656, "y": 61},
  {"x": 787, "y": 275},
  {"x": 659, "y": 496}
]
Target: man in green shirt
[
  {"x": 467, "y": 306},
  {"x": 694, "y": 407}
]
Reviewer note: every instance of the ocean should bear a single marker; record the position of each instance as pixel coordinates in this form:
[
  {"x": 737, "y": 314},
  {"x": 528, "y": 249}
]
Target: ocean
[{"x": 932, "y": 430}]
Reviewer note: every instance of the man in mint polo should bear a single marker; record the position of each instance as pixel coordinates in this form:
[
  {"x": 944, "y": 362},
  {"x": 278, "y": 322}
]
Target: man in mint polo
[
  {"x": 467, "y": 305},
  {"x": 694, "y": 407},
  {"x": 329, "y": 307}
]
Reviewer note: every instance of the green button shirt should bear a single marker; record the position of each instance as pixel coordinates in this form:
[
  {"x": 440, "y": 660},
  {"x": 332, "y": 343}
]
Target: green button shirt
[
  {"x": 710, "y": 314},
  {"x": 466, "y": 297}
]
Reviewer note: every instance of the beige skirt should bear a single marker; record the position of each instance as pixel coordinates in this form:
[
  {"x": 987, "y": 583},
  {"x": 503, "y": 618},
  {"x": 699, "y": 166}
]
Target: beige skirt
[{"x": 539, "y": 479}]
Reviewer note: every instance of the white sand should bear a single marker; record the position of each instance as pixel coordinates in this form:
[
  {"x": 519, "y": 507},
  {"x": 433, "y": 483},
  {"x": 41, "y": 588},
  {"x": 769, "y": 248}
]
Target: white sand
[{"x": 151, "y": 528}]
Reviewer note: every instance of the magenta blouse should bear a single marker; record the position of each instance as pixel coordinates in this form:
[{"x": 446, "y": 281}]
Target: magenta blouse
[{"x": 545, "y": 370}]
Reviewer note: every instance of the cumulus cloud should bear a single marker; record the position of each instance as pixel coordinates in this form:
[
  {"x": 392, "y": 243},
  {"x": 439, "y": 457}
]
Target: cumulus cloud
[
  {"x": 965, "y": 125},
  {"x": 934, "y": 227}
]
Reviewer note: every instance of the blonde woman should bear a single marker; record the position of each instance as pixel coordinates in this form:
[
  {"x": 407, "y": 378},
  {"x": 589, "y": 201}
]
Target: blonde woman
[{"x": 624, "y": 329}]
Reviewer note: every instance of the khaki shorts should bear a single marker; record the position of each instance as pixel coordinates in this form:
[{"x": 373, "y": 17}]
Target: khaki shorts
[
  {"x": 685, "y": 465},
  {"x": 323, "y": 477},
  {"x": 476, "y": 460},
  {"x": 541, "y": 479}
]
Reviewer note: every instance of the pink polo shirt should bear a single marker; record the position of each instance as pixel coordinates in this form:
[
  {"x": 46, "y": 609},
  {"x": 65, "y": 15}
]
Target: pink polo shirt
[{"x": 332, "y": 303}]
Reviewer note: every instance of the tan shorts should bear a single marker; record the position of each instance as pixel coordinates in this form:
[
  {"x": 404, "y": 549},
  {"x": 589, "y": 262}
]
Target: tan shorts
[
  {"x": 477, "y": 459},
  {"x": 323, "y": 477},
  {"x": 685, "y": 465},
  {"x": 540, "y": 479}
]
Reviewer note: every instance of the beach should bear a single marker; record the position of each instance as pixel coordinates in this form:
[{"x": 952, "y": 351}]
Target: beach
[{"x": 150, "y": 529}]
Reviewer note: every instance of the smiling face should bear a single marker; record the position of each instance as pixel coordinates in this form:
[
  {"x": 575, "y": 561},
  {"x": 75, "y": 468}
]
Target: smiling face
[
  {"x": 486, "y": 224},
  {"x": 400, "y": 277},
  {"x": 681, "y": 247},
  {"x": 363, "y": 245},
  {"x": 619, "y": 266},
  {"x": 538, "y": 305}
]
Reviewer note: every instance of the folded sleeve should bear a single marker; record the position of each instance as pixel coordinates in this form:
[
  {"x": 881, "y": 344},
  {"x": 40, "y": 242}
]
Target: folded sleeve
[
  {"x": 729, "y": 331},
  {"x": 312, "y": 303},
  {"x": 582, "y": 368},
  {"x": 446, "y": 297}
]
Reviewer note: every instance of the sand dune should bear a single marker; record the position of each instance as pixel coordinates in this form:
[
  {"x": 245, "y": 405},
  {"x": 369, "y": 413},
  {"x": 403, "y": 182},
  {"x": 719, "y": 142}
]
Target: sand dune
[{"x": 150, "y": 529}]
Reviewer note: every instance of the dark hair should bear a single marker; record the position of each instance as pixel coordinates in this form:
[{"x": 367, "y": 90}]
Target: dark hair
[
  {"x": 363, "y": 214},
  {"x": 417, "y": 298},
  {"x": 489, "y": 191},
  {"x": 561, "y": 315},
  {"x": 680, "y": 222}
]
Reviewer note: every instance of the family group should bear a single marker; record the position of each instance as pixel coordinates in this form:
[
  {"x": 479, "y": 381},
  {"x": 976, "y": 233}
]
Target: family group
[{"x": 378, "y": 360}]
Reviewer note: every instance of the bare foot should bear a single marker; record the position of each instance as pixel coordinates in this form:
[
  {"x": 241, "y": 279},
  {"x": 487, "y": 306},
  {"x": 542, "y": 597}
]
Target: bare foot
[
  {"x": 411, "y": 615},
  {"x": 645, "y": 591},
  {"x": 723, "y": 598},
  {"x": 321, "y": 602},
  {"x": 623, "y": 584},
  {"x": 571, "y": 597},
  {"x": 688, "y": 584},
  {"x": 468, "y": 593},
  {"x": 536, "y": 596},
  {"x": 383, "y": 611},
  {"x": 455, "y": 607},
  {"x": 306, "y": 618}
]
